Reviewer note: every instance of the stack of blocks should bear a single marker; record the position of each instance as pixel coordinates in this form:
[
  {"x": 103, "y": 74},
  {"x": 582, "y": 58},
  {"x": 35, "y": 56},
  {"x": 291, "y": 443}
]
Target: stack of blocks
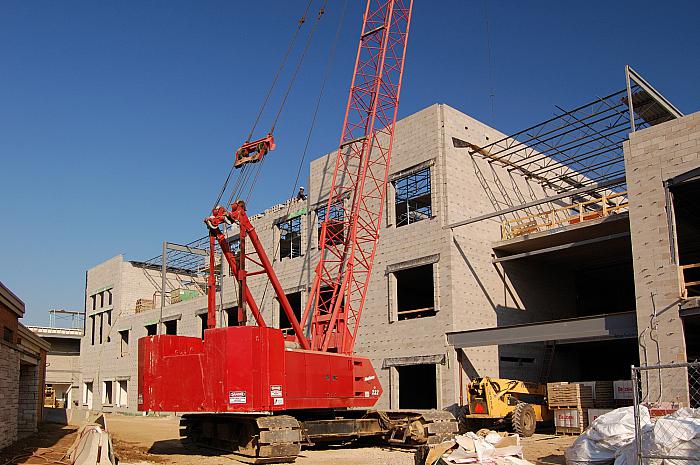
[{"x": 570, "y": 404}]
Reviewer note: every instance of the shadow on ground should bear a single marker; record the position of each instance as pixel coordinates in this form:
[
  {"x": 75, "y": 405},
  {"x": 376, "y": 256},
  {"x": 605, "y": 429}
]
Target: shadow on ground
[{"x": 49, "y": 444}]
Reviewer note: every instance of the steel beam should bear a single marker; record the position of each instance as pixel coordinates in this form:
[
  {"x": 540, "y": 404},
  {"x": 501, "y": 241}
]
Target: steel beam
[
  {"x": 592, "y": 328},
  {"x": 187, "y": 249},
  {"x": 555, "y": 248}
]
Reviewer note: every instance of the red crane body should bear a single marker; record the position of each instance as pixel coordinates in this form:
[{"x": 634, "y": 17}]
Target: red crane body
[{"x": 257, "y": 370}]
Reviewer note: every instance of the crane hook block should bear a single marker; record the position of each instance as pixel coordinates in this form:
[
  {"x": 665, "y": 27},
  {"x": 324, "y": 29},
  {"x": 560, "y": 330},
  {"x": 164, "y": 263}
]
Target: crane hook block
[{"x": 253, "y": 152}]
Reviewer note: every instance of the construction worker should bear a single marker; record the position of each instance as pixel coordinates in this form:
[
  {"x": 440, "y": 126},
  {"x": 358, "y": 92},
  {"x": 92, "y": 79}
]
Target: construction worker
[{"x": 301, "y": 195}]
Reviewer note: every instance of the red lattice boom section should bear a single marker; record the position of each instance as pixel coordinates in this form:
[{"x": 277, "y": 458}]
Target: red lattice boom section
[{"x": 349, "y": 237}]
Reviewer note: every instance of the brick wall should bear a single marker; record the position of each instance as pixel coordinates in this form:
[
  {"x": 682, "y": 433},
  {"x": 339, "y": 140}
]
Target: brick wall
[
  {"x": 29, "y": 382},
  {"x": 9, "y": 387}
]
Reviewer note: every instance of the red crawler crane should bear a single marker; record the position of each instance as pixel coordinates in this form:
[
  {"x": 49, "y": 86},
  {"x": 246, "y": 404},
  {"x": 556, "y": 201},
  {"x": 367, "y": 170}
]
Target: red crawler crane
[{"x": 249, "y": 391}]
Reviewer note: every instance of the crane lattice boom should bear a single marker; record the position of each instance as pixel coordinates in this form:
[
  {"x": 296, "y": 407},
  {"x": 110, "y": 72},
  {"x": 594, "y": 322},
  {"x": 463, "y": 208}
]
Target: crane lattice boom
[{"x": 350, "y": 230}]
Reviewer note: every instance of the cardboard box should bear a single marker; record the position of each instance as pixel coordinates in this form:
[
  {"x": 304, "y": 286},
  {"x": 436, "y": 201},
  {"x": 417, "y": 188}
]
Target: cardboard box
[
  {"x": 594, "y": 413},
  {"x": 567, "y": 417},
  {"x": 623, "y": 389}
]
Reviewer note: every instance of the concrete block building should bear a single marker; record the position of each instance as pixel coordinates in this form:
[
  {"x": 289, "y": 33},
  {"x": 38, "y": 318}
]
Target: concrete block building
[
  {"x": 62, "y": 365},
  {"x": 499, "y": 255},
  {"x": 22, "y": 372}
]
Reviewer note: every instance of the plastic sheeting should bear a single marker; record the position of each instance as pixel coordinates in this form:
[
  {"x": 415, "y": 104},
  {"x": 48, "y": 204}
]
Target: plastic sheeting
[
  {"x": 674, "y": 435},
  {"x": 611, "y": 438}
]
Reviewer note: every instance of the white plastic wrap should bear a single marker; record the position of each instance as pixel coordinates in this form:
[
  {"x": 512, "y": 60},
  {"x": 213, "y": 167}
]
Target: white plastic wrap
[{"x": 606, "y": 437}]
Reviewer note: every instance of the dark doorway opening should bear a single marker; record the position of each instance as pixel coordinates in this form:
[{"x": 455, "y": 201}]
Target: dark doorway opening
[
  {"x": 233, "y": 317},
  {"x": 202, "y": 324},
  {"x": 417, "y": 386},
  {"x": 171, "y": 327},
  {"x": 295, "y": 302},
  {"x": 686, "y": 211}
]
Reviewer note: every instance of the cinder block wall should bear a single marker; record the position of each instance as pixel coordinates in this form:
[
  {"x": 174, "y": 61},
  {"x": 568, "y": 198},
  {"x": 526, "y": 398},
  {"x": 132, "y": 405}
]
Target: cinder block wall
[{"x": 652, "y": 156}]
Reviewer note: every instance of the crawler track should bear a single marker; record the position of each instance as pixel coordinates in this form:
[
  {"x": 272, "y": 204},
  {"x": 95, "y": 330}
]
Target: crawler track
[{"x": 262, "y": 439}]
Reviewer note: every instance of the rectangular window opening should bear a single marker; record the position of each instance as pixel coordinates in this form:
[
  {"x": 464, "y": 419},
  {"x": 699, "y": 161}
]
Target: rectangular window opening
[
  {"x": 290, "y": 238},
  {"x": 295, "y": 302},
  {"x": 102, "y": 317},
  {"x": 413, "y": 198},
  {"x": 414, "y": 292},
  {"x": 122, "y": 393},
  {"x": 92, "y": 324},
  {"x": 335, "y": 230},
  {"x": 107, "y": 392},
  {"x": 151, "y": 330},
  {"x": 87, "y": 394},
  {"x": 170, "y": 327},
  {"x": 124, "y": 342},
  {"x": 109, "y": 297},
  {"x": 7, "y": 335}
]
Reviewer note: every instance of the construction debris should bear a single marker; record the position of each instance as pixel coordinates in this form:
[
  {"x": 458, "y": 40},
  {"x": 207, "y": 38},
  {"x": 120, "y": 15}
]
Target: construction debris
[{"x": 486, "y": 447}]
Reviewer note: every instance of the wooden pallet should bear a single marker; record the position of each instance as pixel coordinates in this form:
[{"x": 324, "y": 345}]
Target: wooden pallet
[
  {"x": 569, "y": 431},
  {"x": 569, "y": 395},
  {"x": 603, "y": 394},
  {"x": 570, "y": 421}
]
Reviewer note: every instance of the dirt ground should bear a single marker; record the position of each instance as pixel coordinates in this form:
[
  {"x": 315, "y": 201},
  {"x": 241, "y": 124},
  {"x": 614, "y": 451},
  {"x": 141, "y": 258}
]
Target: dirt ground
[
  {"x": 153, "y": 440},
  {"x": 141, "y": 440},
  {"x": 49, "y": 445}
]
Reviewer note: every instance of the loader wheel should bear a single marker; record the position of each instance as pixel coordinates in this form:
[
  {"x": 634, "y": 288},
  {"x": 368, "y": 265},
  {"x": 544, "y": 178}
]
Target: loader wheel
[{"x": 523, "y": 420}]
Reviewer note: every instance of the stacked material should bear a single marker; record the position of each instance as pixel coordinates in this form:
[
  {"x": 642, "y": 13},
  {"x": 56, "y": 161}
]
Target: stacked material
[
  {"x": 603, "y": 393},
  {"x": 623, "y": 393},
  {"x": 570, "y": 403},
  {"x": 487, "y": 448},
  {"x": 180, "y": 295},
  {"x": 143, "y": 305}
]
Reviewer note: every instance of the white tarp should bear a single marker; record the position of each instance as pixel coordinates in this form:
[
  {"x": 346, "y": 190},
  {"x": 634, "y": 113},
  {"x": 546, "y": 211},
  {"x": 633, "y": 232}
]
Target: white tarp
[
  {"x": 674, "y": 435},
  {"x": 611, "y": 438},
  {"x": 603, "y": 441}
]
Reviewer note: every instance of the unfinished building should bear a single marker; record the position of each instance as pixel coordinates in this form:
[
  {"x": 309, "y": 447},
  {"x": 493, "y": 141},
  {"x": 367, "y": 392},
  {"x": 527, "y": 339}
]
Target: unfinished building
[{"x": 501, "y": 255}]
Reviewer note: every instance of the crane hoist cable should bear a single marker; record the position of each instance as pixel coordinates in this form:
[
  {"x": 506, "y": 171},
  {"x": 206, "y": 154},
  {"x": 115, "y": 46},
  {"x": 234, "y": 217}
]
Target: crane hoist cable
[
  {"x": 324, "y": 81},
  {"x": 285, "y": 57},
  {"x": 321, "y": 11}
]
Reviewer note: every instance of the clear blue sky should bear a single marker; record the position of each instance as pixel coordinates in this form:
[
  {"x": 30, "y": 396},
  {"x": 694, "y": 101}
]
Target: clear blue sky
[{"x": 119, "y": 120}]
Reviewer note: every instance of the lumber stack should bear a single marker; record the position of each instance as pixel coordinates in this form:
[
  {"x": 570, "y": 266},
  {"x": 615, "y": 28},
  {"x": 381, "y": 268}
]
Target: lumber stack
[
  {"x": 603, "y": 393},
  {"x": 569, "y": 403},
  {"x": 569, "y": 395},
  {"x": 143, "y": 305}
]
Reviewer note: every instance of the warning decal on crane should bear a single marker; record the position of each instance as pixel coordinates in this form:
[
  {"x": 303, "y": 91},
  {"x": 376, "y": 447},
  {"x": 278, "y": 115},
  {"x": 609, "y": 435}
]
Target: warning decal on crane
[
  {"x": 237, "y": 397},
  {"x": 275, "y": 391}
]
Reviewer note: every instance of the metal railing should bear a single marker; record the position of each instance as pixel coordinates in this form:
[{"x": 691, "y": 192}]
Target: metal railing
[
  {"x": 565, "y": 215},
  {"x": 671, "y": 395}
]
